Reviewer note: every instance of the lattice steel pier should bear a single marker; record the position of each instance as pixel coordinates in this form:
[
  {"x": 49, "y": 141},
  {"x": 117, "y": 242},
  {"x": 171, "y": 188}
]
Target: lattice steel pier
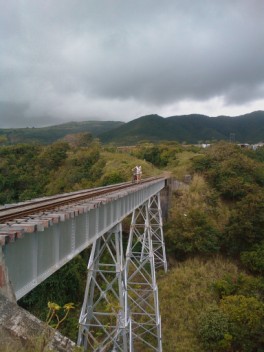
[{"x": 121, "y": 308}]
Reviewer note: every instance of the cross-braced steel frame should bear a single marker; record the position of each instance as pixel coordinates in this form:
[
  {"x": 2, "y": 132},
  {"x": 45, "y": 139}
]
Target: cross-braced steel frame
[
  {"x": 121, "y": 308},
  {"x": 156, "y": 228},
  {"x": 103, "y": 319}
]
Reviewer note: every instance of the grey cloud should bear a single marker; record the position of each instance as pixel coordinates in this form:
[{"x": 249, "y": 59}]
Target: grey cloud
[
  {"x": 17, "y": 115},
  {"x": 166, "y": 63},
  {"x": 11, "y": 113},
  {"x": 55, "y": 54}
]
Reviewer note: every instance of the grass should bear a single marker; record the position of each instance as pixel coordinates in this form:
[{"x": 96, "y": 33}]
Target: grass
[
  {"x": 183, "y": 165},
  {"x": 184, "y": 292},
  {"x": 124, "y": 163},
  {"x": 199, "y": 196}
]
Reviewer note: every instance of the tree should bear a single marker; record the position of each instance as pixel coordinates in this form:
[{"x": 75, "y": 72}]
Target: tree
[
  {"x": 192, "y": 233},
  {"x": 230, "y": 171},
  {"x": 213, "y": 329},
  {"x": 253, "y": 260},
  {"x": 246, "y": 319},
  {"x": 54, "y": 155},
  {"x": 246, "y": 224}
]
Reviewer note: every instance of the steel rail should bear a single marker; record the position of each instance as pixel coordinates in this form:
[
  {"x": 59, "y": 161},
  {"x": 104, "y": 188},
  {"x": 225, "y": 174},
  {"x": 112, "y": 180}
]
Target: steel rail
[{"x": 41, "y": 205}]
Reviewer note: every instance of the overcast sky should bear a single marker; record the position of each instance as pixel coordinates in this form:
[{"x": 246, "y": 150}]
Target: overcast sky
[{"x": 65, "y": 60}]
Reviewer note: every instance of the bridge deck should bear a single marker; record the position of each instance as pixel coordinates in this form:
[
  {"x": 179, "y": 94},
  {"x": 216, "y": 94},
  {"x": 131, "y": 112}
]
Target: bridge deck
[{"x": 36, "y": 246}]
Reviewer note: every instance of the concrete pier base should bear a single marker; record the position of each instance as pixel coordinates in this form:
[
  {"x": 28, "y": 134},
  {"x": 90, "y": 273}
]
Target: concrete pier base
[
  {"x": 5, "y": 284},
  {"x": 21, "y": 331}
]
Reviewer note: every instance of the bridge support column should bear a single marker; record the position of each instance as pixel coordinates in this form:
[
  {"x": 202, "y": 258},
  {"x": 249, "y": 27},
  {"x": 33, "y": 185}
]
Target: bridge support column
[
  {"x": 156, "y": 228},
  {"x": 145, "y": 251},
  {"x": 5, "y": 285},
  {"x": 121, "y": 308},
  {"x": 103, "y": 320}
]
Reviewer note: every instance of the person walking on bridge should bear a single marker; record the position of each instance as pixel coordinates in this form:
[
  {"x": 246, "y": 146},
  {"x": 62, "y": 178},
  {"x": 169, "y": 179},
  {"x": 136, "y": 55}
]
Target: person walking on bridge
[{"x": 137, "y": 172}]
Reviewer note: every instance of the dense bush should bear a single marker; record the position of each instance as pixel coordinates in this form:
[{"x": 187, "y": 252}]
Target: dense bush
[
  {"x": 227, "y": 285},
  {"x": 192, "y": 233},
  {"x": 112, "y": 178},
  {"x": 64, "y": 286},
  {"x": 239, "y": 284},
  {"x": 230, "y": 171},
  {"x": 159, "y": 155},
  {"x": 257, "y": 154},
  {"x": 195, "y": 221},
  {"x": 236, "y": 325},
  {"x": 254, "y": 259},
  {"x": 21, "y": 173},
  {"x": 30, "y": 171},
  {"x": 213, "y": 329},
  {"x": 246, "y": 224},
  {"x": 246, "y": 319},
  {"x": 229, "y": 215}
]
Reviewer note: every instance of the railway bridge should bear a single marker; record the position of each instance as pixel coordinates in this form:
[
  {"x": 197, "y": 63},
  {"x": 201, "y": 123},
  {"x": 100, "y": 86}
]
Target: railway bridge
[{"x": 120, "y": 309}]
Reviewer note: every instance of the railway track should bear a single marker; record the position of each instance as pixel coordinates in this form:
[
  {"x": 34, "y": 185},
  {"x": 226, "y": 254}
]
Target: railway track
[{"x": 28, "y": 208}]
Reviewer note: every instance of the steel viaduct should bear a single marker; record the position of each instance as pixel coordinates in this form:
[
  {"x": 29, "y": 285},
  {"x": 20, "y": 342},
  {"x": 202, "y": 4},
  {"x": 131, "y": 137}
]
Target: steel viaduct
[{"x": 120, "y": 309}]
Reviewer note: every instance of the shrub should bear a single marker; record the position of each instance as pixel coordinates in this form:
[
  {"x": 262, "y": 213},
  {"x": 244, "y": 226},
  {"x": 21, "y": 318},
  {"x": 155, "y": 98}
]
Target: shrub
[
  {"x": 230, "y": 171},
  {"x": 158, "y": 155},
  {"x": 213, "y": 329},
  {"x": 112, "y": 178},
  {"x": 246, "y": 318},
  {"x": 254, "y": 259},
  {"x": 240, "y": 284},
  {"x": 246, "y": 224},
  {"x": 192, "y": 233},
  {"x": 226, "y": 286}
]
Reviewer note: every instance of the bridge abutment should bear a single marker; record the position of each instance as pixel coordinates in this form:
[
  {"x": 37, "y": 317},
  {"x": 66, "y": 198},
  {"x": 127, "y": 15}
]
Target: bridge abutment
[{"x": 5, "y": 284}]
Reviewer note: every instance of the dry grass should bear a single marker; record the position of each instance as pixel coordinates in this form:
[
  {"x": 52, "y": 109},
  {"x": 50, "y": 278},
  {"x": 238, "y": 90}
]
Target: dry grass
[
  {"x": 184, "y": 163},
  {"x": 184, "y": 292},
  {"x": 199, "y": 196},
  {"x": 123, "y": 162}
]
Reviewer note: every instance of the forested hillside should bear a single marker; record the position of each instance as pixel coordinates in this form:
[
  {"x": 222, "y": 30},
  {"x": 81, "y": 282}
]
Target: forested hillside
[
  {"x": 215, "y": 236},
  {"x": 192, "y": 128},
  {"x": 29, "y": 171},
  {"x": 46, "y": 135},
  {"x": 212, "y": 298}
]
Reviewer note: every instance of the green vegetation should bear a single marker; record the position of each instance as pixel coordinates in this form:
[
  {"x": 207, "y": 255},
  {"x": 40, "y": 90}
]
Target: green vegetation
[
  {"x": 212, "y": 298},
  {"x": 221, "y": 213},
  {"x": 160, "y": 155},
  {"x": 188, "y": 129},
  {"x": 185, "y": 293},
  {"x": 46, "y": 135},
  {"x": 29, "y": 171},
  {"x": 64, "y": 286},
  {"x": 57, "y": 314},
  {"x": 192, "y": 128}
]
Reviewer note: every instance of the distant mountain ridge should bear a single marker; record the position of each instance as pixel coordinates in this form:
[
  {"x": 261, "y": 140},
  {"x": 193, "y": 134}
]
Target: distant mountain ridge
[
  {"x": 191, "y": 128},
  {"x": 50, "y": 134}
]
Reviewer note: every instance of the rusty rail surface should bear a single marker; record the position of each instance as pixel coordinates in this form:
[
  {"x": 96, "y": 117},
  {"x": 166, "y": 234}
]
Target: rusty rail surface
[{"x": 13, "y": 211}]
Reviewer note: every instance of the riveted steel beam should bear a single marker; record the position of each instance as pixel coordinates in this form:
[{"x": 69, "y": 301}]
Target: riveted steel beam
[{"x": 65, "y": 233}]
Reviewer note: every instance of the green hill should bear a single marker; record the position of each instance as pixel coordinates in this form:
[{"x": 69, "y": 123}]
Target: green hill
[
  {"x": 50, "y": 134},
  {"x": 192, "y": 128}
]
